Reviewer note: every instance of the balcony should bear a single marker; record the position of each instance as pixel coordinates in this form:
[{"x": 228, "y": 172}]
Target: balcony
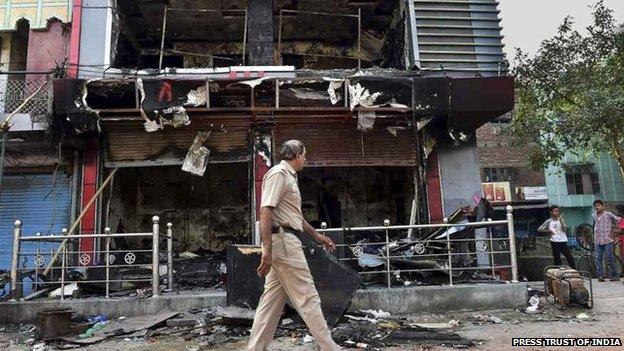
[{"x": 29, "y": 97}]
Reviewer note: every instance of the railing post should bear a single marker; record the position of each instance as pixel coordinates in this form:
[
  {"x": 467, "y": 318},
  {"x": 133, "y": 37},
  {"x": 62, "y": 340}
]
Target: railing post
[
  {"x": 492, "y": 264},
  {"x": 107, "y": 231},
  {"x": 257, "y": 233},
  {"x": 512, "y": 244},
  {"x": 170, "y": 256},
  {"x": 387, "y": 224},
  {"x": 63, "y": 264},
  {"x": 448, "y": 252},
  {"x": 17, "y": 232},
  {"x": 155, "y": 271}
]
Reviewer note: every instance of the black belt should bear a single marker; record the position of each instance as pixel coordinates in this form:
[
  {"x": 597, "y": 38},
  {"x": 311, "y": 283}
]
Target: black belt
[{"x": 276, "y": 230}]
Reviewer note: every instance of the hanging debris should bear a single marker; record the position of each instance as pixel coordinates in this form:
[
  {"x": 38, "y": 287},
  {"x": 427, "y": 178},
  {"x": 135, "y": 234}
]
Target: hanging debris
[
  {"x": 162, "y": 102},
  {"x": 366, "y": 120},
  {"x": 197, "y": 97},
  {"x": 335, "y": 85},
  {"x": 180, "y": 117},
  {"x": 70, "y": 100},
  {"x": 197, "y": 157},
  {"x": 360, "y": 96}
]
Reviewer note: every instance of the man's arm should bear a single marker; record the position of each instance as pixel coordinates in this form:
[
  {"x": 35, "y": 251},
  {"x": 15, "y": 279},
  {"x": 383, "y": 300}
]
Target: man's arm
[
  {"x": 544, "y": 228},
  {"x": 266, "y": 220},
  {"x": 273, "y": 187},
  {"x": 318, "y": 238}
]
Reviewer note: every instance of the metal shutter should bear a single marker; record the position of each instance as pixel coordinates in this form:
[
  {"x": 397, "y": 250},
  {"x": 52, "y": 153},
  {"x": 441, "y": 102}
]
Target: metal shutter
[
  {"x": 40, "y": 206},
  {"x": 341, "y": 144}
]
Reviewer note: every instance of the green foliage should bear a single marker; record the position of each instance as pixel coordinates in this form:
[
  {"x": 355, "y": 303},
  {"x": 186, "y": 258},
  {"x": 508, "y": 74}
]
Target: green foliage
[{"x": 570, "y": 96}]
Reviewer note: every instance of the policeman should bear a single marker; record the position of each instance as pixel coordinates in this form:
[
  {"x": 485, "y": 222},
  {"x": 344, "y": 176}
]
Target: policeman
[{"x": 283, "y": 262}]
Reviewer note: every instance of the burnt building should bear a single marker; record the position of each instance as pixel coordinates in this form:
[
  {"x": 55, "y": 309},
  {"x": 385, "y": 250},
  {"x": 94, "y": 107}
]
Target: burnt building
[{"x": 190, "y": 99}]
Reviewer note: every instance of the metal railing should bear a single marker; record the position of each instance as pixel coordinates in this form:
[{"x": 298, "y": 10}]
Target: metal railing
[
  {"x": 16, "y": 89},
  {"x": 88, "y": 262},
  {"x": 441, "y": 248}
]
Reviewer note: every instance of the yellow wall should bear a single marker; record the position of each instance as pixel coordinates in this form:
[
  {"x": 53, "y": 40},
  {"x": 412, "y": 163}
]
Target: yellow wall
[{"x": 36, "y": 12}]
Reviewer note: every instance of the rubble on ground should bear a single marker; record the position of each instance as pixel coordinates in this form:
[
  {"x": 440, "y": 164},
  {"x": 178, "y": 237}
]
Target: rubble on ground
[
  {"x": 365, "y": 329},
  {"x": 213, "y": 327}
]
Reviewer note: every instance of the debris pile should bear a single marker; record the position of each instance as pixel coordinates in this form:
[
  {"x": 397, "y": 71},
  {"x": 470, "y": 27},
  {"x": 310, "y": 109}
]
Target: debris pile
[
  {"x": 421, "y": 259},
  {"x": 371, "y": 329},
  {"x": 215, "y": 327},
  {"x": 200, "y": 271}
]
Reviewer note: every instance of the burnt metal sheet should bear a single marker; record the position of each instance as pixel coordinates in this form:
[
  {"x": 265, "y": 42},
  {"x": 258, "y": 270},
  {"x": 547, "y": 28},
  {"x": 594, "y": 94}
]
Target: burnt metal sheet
[
  {"x": 394, "y": 90},
  {"x": 431, "y": 96},
  {"x": 305, "y": 94},
  {"x": 69, "y": 101},
  {"x": 341, "y": 144},
  {"x": 244, "y": 286},
  {"x": 127, "y": 142},
  {"x": 476, "y": 101},
  {"x": 334, "y": 282}
]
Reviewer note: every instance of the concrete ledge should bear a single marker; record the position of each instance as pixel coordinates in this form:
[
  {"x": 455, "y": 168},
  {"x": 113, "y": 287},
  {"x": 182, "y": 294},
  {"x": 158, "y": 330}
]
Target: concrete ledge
[
  {"x": 426, "y": 299},
  {"x": 436, "y": 299},
  {"x": 26, "y": 312}
]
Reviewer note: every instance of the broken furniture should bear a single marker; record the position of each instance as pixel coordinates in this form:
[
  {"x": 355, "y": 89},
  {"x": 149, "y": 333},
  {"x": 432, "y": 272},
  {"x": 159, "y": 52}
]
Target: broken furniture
[{"x": 567, "y": 286}]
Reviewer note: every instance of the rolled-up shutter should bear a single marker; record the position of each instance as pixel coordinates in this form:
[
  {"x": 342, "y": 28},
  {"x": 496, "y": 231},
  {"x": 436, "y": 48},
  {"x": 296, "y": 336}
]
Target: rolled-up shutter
[
  {"x": 342, "y": 144},
  {"x": 128, "y": 144}
]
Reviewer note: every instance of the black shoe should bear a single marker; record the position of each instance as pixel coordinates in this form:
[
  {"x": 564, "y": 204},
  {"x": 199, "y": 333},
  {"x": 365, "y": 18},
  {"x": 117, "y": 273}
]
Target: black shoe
[
  {"x": 601, "y": 279},
  {"x": 615, "y": 279}
]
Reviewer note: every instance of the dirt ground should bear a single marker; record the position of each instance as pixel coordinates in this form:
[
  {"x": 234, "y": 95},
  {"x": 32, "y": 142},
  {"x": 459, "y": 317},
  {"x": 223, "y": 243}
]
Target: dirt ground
[{"x": 491, "y": 330}]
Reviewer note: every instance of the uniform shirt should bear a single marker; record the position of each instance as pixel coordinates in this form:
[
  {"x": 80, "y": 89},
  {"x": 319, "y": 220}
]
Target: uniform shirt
[
  {"x": 603, "y": 226},
  {"x": 280, "y": 191}
]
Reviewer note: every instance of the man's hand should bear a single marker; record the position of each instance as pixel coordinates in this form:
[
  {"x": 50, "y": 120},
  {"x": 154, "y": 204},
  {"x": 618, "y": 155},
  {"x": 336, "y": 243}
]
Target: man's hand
[
  {"x": 265, "y": 263},
  {"x": 325, "y": 241},
  {"x": 266, "y": 218}
]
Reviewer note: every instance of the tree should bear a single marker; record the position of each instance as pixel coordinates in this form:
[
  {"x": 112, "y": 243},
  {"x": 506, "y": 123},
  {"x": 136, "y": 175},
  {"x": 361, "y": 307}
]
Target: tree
[{"x": 570, "y": 96}]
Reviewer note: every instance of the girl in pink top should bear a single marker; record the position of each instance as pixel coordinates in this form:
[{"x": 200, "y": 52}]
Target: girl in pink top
[{"x": 620, "y": 227}]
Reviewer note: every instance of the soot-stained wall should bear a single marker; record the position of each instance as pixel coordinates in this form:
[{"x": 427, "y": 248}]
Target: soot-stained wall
[
  {"x": 357, "y": 196},
  {"x": 207, "y": 212}
]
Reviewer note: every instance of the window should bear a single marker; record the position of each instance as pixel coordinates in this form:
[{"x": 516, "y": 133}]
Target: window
[
  {"x": 498, "y": 174},
  {"x": 581, "y": 179}
]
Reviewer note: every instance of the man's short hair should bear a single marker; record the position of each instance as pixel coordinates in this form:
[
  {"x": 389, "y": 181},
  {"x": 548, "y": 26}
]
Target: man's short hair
[
  {"x": 598, "y": 202},
  {"x": 553, "y": 207},
  {"x": 291, "y": 149}
]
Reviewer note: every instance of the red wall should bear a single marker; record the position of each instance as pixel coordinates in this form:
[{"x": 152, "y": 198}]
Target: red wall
[
  {"x": 47, "y": 49},
  {"x": 89, "y": 188},
  {"x": 434, "y": 193}
]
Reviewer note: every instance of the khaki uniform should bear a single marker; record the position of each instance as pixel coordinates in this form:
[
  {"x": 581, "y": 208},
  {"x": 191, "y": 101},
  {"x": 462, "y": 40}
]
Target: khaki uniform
[{"x": 290, "y": 275}]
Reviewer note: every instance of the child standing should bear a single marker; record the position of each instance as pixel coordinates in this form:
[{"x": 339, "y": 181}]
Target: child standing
[{"x": 556, "y": 228}]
